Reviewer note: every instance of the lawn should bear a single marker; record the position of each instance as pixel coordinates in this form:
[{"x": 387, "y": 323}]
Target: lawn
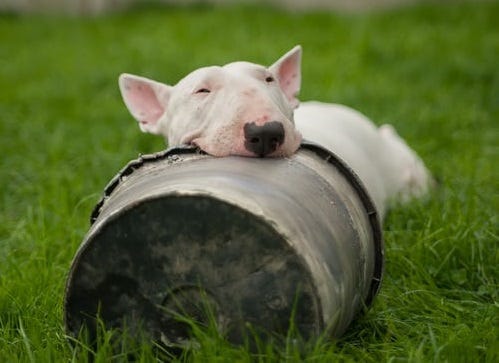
[{"x": 432, "y": 71}]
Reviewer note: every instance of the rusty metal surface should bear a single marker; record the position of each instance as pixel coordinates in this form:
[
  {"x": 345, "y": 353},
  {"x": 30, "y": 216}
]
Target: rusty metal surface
[{"x": 254, "y": 237}]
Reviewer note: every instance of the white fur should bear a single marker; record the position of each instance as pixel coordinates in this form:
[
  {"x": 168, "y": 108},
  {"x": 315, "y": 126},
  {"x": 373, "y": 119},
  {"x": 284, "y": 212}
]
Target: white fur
[
  {"x": 387, "y": 166},
  {"x": 211, "y": 106},
  {"x": 214, "y": 121}
]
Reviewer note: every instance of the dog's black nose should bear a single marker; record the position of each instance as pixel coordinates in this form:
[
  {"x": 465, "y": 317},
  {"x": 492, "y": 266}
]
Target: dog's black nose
[{"x": 265, "y": 139}]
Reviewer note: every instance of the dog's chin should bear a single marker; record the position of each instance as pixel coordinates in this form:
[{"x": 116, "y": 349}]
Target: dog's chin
[
  {"x": 218, "y": 149},
  {"x": 279, "y": 153},
  {"x": 244, "y": 153}
]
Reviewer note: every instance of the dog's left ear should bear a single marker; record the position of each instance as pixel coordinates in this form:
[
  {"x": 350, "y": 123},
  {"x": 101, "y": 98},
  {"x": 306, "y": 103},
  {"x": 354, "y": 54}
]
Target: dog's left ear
[{"x": 288, "y": 72}]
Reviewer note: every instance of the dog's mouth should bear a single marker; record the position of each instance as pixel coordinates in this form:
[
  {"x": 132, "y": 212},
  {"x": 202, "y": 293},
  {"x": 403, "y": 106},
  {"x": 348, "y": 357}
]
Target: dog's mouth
[{"x": 268, "y": 140}]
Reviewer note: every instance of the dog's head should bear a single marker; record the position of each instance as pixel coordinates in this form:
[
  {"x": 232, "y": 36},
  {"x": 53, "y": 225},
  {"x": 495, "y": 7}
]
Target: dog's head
[{"x": 238, "y": 109}]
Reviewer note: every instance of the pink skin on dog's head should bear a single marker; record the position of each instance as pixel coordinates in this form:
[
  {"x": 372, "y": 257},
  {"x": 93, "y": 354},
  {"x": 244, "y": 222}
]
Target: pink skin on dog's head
[{"x": 238, "y": 109}]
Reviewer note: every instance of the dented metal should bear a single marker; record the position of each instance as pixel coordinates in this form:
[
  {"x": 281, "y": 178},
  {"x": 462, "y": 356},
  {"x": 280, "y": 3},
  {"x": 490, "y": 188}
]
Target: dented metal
[{"x": 255, "y": 240}]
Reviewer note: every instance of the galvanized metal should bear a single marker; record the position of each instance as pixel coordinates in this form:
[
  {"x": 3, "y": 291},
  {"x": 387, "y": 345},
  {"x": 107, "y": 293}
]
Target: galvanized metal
[{"x": 256, "y": 240}]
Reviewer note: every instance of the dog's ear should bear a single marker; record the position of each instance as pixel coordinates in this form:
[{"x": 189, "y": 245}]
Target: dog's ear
[
  {"x": 288, "y": 72},
  {"x": 145, "y": 99}
]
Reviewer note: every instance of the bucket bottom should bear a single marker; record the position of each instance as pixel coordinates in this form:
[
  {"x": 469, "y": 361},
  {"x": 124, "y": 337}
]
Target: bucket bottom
[{"x": 208, "y": 260}]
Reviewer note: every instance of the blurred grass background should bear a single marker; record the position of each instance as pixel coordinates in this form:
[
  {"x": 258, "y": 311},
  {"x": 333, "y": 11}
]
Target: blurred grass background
[{"x": 430, "y": 70}]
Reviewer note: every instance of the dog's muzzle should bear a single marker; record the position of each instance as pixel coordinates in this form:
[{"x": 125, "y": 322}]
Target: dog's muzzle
[{"x": 263, "y": 140}]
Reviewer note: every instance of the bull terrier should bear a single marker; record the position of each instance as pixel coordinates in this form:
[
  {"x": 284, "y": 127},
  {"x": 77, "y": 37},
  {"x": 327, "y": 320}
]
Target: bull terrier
[{"x": 251, "y": 110}]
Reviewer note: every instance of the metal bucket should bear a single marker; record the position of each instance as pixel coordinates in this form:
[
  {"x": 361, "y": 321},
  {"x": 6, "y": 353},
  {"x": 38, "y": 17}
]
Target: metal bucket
[{"x": 257, "y": 240}]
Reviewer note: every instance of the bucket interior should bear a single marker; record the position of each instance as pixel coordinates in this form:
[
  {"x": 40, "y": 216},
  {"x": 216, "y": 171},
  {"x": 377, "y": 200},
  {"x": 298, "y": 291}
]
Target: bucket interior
[{"x": 194, "y": 256}]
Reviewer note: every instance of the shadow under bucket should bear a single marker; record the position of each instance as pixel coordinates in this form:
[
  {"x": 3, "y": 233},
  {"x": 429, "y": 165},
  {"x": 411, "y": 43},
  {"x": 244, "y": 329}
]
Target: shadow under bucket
[{"x": 255, "y": 240}]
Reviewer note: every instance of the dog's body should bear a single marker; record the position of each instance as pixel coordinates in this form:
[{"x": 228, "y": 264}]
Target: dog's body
[
  {"x": 387, "y": 166},
  {"x": 250, "y": 110}
]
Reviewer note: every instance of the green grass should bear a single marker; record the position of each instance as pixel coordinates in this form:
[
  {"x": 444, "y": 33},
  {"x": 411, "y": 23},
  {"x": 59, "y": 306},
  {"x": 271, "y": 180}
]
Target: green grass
[{"x": 432, "y": 71}]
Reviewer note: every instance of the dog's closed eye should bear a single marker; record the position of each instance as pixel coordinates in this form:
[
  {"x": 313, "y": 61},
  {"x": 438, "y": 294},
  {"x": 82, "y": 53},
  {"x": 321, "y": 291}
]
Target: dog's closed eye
[{"x": 203, "y": 90}]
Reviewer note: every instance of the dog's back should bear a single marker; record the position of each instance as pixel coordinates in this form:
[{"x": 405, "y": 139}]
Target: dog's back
[{"x": 386, "y": 165}]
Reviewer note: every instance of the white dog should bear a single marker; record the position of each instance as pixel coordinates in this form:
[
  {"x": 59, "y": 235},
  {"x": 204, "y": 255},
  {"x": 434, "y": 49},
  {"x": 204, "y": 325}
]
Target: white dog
[{"x": 251, "y": 110}]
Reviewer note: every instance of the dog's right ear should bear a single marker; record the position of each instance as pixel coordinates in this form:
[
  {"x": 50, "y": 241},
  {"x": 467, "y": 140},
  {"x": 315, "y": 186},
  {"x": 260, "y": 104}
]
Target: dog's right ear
[{"x": 145, "y": 99}]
